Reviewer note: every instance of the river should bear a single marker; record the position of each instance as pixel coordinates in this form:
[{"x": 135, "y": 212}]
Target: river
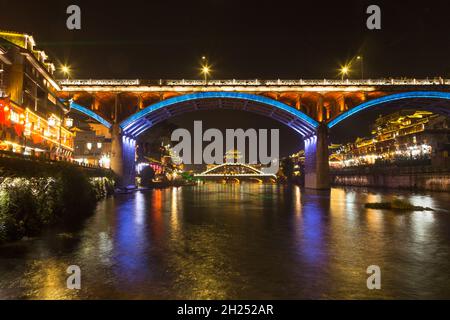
[{"x": 248, "y": 241}]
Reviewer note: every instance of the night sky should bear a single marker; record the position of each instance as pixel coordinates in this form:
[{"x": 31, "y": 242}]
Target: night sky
[{"x": 242, "y": 39}]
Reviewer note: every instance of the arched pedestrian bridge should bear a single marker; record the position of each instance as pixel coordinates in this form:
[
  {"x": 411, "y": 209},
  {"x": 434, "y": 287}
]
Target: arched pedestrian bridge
[
  {"x": 310, "y": 107},
  {"x": 236, "y": 172}
]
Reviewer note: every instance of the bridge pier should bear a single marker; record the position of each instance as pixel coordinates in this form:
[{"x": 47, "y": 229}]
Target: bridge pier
[
  {"x": 317, "y": 170},
  {"x": 123, "y": 151}
]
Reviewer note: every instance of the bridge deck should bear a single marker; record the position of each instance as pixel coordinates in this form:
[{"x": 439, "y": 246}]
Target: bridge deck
[{"x": 138, "y": 85}]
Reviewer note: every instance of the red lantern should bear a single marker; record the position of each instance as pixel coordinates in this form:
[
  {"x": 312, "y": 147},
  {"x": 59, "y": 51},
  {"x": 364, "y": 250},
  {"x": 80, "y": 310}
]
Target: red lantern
[{"x": 4, "y": 111}]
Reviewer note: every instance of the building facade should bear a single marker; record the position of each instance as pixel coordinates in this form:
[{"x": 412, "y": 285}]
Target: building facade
[
  {"x": 92, "y": 145},
  {"x": 408, "y": 137},
  {"x": 32, "y": 118}
]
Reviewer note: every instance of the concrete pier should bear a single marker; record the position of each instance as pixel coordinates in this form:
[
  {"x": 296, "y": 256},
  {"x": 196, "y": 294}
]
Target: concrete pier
[
  {"x": 317, "y": 170},
  {"x": 123, "y": 152}
]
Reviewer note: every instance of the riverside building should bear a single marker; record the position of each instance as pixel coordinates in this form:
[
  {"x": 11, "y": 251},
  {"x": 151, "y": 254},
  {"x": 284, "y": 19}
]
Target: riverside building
[{"x": 32, "y": 119}]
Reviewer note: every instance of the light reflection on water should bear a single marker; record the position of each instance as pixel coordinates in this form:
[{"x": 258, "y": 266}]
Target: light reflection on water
[{"x": 239, "y": 241}]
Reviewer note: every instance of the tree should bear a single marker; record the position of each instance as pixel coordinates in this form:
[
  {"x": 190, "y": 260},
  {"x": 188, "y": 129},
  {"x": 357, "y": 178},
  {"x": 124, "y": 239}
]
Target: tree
[
  {"x": 147, "y": 175},
  {"x": 287, "y": 168}
]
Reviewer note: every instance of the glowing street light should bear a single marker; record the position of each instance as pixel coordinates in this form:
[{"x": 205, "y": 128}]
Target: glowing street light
[
  {"x": 344, "y": 71},
  {"x": 66, "y": 70},
  {"x": 360, "y": 59},
  {"x": 206, "y": 69}
]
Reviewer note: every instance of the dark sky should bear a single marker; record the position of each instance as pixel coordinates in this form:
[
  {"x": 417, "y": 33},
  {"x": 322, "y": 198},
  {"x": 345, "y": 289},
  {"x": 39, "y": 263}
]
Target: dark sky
[
  {"x": 242, "y": 38},
  {"x": 155, "y": 39}
]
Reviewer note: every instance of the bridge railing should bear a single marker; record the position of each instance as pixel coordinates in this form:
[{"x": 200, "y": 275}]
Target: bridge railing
[
  {"x": 18, "y": 156},
  {"x": 256, "y": 82},
  {"x": 99, "y": 82}
]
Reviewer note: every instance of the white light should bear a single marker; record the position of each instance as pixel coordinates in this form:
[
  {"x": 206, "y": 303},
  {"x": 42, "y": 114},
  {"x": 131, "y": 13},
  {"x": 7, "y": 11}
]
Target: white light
[
  {"x": 15, "y": 118},
  {"x": 105, "y": 161},
  {"x": 51, "y": 121},
  {"x": 89, "y": 145},
  {"x": 69, "y": 122}
]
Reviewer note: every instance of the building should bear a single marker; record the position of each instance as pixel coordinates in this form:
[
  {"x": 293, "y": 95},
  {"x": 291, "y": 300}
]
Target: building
[
  {"x": 32, "y": 118},
  {"x": 92, "y": 145},
  {"x": 403, "y": 137}
]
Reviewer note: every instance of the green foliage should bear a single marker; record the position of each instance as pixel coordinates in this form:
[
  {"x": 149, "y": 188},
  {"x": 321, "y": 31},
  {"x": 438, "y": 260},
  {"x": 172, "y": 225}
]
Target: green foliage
[
  {"x": 147, "y": 175},
  {"x": 103, "y": 186},
  {"x": 396, "y": 204},
  {"x": 187, "y": 176},
  {"x": 17, "y": 210},
  {"x": 42, "y": 195},
  {"x": 401, "y": 204},
  {"x": 287, "y": 168}
]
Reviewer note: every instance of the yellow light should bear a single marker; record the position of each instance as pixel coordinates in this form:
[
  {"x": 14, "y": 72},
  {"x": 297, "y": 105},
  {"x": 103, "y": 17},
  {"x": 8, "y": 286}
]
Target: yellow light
[
  {"x": 51, "y": 121},
  {"x": 65, "y": 69},
  {"x": 344, "y": 70},
  {"x": 205, "y": 69},
  {"x": 68, "y": 122}
]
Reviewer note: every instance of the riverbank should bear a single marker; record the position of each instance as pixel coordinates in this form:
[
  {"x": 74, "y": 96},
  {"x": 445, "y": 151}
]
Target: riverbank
[
  {"x": 38, "y": 194},
  {"x": 403, "y": 178}
]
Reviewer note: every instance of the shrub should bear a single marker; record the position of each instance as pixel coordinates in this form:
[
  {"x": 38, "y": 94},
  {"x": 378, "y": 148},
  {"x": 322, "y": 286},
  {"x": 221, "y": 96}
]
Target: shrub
[
  {"x": 147, "y": 176},
  {"x": 17, "y": 209},
  {"x": 31, "y": 199}
]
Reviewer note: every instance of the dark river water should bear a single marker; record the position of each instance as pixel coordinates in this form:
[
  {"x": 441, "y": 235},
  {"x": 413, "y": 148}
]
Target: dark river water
[{"x": 247, "y": 241}]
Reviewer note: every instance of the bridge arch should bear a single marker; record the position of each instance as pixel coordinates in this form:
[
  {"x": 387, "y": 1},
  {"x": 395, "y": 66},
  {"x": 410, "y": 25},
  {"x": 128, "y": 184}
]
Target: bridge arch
[
  {"x": 139, "y": 122},
  {"x": 90, "y": 113},
  {"x": 436, "y": 101},
  {"x": 315, "y": 134}
]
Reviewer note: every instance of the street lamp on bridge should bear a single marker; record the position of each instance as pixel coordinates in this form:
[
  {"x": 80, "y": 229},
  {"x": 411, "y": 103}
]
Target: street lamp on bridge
[
  {"x": 344, "y": 71},
  {"x": 206, "y": 69},
  {"x": 65, "y": 69},
  {"x": 360, "y": 59}
]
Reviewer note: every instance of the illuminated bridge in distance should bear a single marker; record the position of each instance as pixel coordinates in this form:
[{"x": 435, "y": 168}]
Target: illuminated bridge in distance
[
  {"x": 236, "y": 172},
  {"x": 309, "y": 107}
]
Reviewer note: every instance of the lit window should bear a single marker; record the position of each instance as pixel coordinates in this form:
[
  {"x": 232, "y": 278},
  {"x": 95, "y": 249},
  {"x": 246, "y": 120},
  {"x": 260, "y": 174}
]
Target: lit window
[
  {"x": 51, "y": 122},
  {"x": 15, "y": 118},
  {"x": 89, "y": 145},
  {"x": 69, "y": 122}
]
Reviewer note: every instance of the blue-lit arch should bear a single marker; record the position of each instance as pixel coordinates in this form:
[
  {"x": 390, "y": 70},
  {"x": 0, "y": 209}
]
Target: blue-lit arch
[
  {"x": 89, "y": 113},
  {"x": 297, "y": 120},
  {"x": 432, "y": 95}
]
